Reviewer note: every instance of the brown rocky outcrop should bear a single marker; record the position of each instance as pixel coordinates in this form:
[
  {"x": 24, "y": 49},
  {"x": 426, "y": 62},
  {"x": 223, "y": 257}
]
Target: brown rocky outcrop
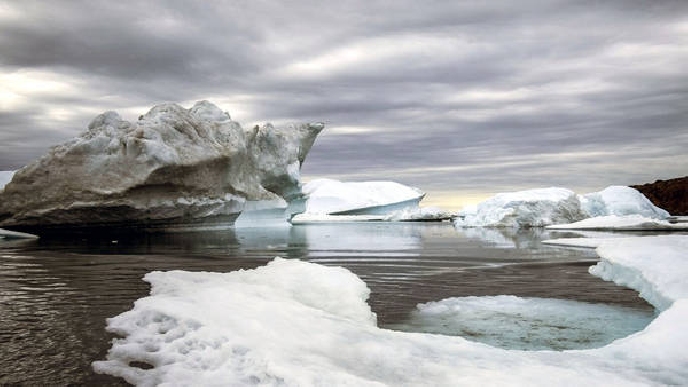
[{"x": 671, "y": 194}]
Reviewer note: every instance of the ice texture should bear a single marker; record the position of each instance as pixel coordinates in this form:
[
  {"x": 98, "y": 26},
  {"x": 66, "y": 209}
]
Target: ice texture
[
  {"x": 620, "y": 201},
  {"x": 327, "y": 196},
  {"x": 531, "y": 208},
  {"x": 172, "y": 167},
  {"x": 551, "y": 206},
  {"x": 296, "y": 323},
  {"x": 621, "y": 223}
]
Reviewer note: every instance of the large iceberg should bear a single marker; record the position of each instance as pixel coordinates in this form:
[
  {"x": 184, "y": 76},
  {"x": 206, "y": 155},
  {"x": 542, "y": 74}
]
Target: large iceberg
[
  {"x": 296, "y": 323},
  {"x": 173, "y": 168},
  {"x": 551, "y": 206},
  {"x": 531, "y": 208}
]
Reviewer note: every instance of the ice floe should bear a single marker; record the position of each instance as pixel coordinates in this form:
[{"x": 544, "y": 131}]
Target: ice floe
[
  {"x": 621, "y": 223},
  {"x": 297, "y": 323}
]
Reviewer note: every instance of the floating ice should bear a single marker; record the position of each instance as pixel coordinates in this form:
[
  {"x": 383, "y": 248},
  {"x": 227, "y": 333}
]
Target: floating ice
[
  {"x": 537, "y": 207},
  {"x": 527, "y": 323},
  {"x": 549, "y": 206},
  {"x": 327, "y": 196},
  {"x": 297, "y": 323},
  {"x": 620, "y": 201},
  {"x": 621, "y": 223}
]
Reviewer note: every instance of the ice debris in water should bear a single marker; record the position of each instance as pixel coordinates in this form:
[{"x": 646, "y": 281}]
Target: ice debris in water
[{"x": 297, "y": 323}]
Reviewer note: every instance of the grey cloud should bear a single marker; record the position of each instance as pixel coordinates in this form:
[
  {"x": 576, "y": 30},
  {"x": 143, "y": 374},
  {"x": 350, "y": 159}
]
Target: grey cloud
[{"x": 568, "y": 78}]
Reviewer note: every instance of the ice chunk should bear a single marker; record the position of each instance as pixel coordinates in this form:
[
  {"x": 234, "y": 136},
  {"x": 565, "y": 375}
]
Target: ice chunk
[
  {"x": 327, "y": 196},
  {"x": 297, "y": 323},
  {"x": 620, "y": 201},
  {"x": 531, "y": 208},
  {"x": 621, "y": 223},
  {"x": 550, "y": 206}
]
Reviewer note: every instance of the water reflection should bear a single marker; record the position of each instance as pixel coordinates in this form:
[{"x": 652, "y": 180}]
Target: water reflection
[{"x": 55, "y": 294}]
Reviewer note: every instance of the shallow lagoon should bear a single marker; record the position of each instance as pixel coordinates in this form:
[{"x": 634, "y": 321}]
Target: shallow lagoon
[{"x": 56, "y": 294}]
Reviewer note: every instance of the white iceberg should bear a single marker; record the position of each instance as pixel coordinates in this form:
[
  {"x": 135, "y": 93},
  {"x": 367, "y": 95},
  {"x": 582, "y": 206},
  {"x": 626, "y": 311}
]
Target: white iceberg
[
  {"x": 333, "y": 197},
  {"x": 333, "y": 201},
  {"x": 551, "y": 206},
  {"x": 531, "y": 208},
  {"x": 296, "y": 323},
  {"x": 621, "y": 223},
  {"x": 620, "y": 201}
]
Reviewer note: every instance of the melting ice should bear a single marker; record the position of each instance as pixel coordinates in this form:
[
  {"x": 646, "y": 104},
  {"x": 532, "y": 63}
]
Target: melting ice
[{"x": 299, "y": 323}]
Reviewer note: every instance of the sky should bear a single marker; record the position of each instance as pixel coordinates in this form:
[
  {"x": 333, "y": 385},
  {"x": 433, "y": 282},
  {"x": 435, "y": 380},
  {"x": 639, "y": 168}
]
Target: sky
[{"x": 463, "y": 99}]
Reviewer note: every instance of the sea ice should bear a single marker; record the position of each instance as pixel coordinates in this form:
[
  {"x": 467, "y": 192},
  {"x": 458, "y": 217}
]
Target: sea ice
[
  {"x": 297, "y": 323},
  {"x": 536, "y": 207},
  {"x": 550, "y": 206},
  {"x": 327, "y": 196},
  {"x": 620, "y": 201},
  {"x": 621, "y": 223}
]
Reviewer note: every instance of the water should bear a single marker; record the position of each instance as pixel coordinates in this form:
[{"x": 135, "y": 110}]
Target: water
[{"x": 56, "y": 294}]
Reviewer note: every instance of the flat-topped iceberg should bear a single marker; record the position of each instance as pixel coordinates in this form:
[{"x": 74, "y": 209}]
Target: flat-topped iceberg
[
  {"x": 333, "y": 197},
  {"x": 331, "y": 201},
  {"x": 551, "y": 206},
  {"x": 296, "y": 323},
  {"x": 174, "y": 168}
]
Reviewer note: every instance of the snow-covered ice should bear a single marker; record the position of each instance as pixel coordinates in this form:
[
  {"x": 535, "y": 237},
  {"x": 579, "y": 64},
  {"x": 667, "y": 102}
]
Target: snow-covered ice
[
  {"x": 621, "y": 223},
  {"x": 298, "y": 323},
  {"x": 551, "y": 206},
  {"x": 327, "y": 196},
  {"x": 536, "y": 207},
  {"x": 620, "y": 201}
]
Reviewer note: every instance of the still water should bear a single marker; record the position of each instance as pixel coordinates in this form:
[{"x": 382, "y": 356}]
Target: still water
[{"x": 56, "y": 294}]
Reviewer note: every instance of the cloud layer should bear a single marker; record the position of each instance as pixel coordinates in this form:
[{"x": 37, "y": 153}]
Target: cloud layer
[{"x": 464, "y": 98}]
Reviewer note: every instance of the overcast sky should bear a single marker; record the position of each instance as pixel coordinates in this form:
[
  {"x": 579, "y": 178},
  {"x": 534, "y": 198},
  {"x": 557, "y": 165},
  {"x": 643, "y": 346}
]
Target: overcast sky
[{"x": 462, "y": 99}]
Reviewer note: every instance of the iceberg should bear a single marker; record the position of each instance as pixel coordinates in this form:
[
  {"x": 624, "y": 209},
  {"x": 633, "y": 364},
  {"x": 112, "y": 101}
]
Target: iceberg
[
  {"x": 620, "y": 201},
  {"x": 552, "y": 206},
  {"x": 531, "y": 208},
  {"x": 299, "y": 323},
  {"x": 173, "y": 169},
  {"x": 333, "y": 197},
  {"x": 333, "y": 201}
]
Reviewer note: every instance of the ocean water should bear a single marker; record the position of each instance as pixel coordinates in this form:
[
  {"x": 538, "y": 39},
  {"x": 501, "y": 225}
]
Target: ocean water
[{"x": 56, "y": 294}]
